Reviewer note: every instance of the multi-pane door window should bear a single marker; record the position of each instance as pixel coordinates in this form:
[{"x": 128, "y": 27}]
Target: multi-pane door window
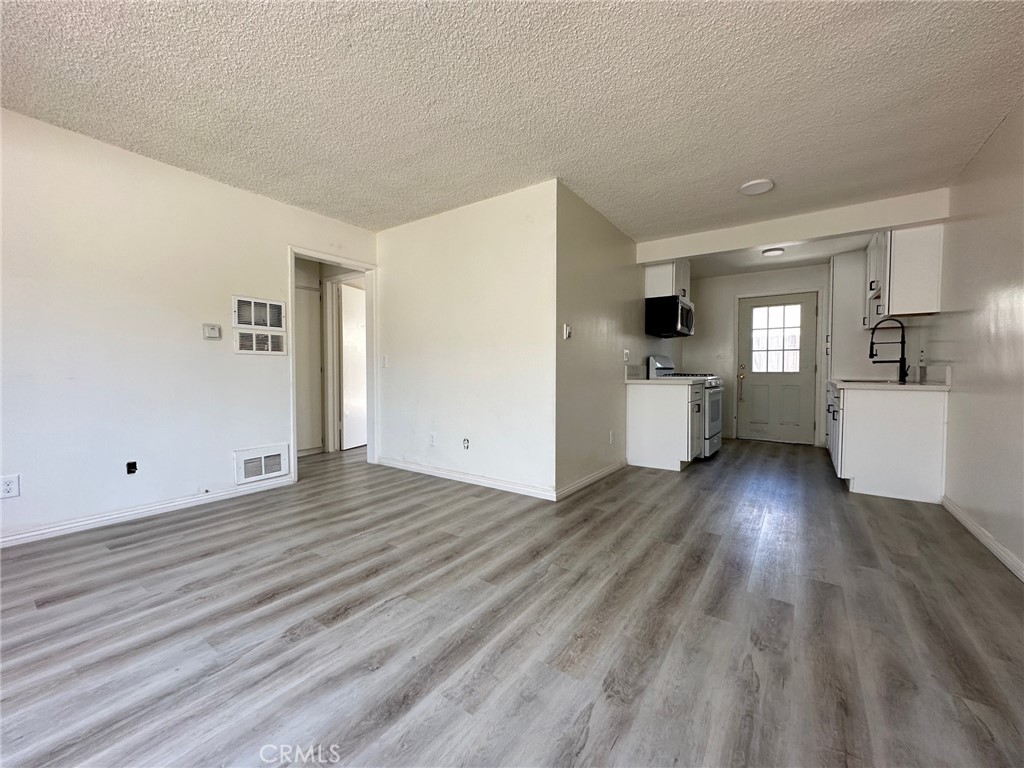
[{"x": 776, "y": 339}]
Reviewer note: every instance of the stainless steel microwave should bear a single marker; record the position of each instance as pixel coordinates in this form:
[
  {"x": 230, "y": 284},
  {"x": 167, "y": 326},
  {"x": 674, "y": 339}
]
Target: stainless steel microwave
[{"x": 668, "y": 316}]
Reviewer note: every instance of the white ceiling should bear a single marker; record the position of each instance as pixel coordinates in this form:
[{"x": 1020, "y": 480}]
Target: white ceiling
[
  {"x": 378, "y": 113},
  {"x": 797, "y": 255}
]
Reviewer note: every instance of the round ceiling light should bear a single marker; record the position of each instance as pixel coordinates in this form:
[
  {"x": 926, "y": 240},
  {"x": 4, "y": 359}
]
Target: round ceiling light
[
  {"x": 773, "y": 252},
  {"x": 757, "y": 187}
]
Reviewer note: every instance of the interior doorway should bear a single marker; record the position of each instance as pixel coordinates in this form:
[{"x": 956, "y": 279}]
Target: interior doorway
[
  {"x": 776, "y": 368},
  {"x": 331, "y": 344}
]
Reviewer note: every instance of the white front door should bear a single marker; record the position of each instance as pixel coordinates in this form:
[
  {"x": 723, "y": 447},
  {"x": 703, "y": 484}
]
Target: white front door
[{"x": 775, "y": 371}]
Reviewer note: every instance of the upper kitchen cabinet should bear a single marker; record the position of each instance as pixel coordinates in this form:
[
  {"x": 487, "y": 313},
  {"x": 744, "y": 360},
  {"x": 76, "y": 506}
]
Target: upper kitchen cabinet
[
  {"x": 667, "y": 279},
  {"x": 904, "y": 269}
]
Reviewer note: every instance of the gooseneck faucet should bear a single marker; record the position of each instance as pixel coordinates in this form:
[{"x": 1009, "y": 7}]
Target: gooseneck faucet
[{"x": 902, "y": 362}]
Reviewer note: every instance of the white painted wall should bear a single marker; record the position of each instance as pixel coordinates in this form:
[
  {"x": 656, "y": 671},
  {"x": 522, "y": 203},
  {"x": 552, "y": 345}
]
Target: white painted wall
[
  {"x": 111, "y": 263},
  {"x": 600, "y": 294},
  {"x": 981, "y": 334},
  {"x": 713, "y": 345},
  {"x": 467, "y": 324}
]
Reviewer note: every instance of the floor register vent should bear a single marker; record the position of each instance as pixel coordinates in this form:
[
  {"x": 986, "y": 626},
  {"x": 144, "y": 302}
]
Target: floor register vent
[{"x": 262, "y": 463}]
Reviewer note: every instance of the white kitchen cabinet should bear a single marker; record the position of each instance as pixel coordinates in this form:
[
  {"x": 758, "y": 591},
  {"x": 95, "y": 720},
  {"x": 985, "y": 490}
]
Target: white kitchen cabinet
[
  {"x": 904, "y": 272},
  {"x": 664, "y": 424},
  {"x": 668, "y": 278},
  {"x": 888, "y": 440},
  {"x": 846, "y": 349}
]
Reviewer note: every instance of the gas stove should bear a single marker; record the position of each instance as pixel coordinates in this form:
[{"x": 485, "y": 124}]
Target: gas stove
[{"x": 662, "y": 367}]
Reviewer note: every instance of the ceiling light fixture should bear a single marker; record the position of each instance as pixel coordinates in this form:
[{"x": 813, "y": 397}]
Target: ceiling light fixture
[
  {"x": 773, "y": 252},
  {"x": 757, "y": 187}
]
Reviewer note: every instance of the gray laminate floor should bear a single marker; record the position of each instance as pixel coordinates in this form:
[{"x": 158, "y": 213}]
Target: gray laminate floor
[{"x": 747, "y": 611}]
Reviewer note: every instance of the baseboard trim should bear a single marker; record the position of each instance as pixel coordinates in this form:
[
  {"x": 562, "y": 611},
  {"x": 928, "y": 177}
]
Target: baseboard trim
[
  {"x": 583, "y": 482},
  {"x": 463, "y": 477},
  {"x": 98, "y": 521},
  {"x": 1005, "y": 556}
]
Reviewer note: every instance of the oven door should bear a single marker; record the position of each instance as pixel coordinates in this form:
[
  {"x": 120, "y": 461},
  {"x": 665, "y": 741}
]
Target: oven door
[{"x": 712, "y": 419}]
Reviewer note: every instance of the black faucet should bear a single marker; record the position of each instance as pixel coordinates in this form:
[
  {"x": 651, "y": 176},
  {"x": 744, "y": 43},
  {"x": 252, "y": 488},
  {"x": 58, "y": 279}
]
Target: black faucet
[{"x": 902, "y": 362}]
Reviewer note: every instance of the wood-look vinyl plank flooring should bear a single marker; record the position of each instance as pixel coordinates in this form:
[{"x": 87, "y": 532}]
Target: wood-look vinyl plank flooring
[{"x": 745, "y": 611}]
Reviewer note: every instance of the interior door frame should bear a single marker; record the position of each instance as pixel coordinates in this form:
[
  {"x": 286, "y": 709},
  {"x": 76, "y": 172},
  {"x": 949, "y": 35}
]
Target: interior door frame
[
  {"x": 331, "y": 315},
  {"x": 819, "y": 357}
]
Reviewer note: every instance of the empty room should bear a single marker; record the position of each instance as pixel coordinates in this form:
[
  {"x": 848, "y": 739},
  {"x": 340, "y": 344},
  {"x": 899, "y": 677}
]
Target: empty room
[{"x": 512, "y": 384}]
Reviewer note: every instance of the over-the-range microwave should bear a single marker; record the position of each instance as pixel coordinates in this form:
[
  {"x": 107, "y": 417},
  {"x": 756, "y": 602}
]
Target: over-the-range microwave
[{"x": 668, "y": 316}]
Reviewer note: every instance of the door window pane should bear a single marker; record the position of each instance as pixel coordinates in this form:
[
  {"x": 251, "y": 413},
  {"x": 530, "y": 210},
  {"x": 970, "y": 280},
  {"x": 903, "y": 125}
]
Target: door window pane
[
  {"x": 775, "y": 339},
  {"x": 792, "y": 313}
]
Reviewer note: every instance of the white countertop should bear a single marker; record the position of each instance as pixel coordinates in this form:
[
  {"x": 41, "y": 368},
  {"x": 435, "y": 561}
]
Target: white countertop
[{"x": 910, "y": 386}]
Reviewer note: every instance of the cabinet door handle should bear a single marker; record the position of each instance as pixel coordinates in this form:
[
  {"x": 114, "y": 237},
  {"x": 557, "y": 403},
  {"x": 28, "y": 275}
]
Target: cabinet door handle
[
  {"x": 834, "y": 412},
  {"x": 864, "y": 321},
  {"x": 828, "y": 408},
  {"x": 880, "y": 310},
  {"x": 697, "y": 409},
  {"x": 873, "y": 285}
]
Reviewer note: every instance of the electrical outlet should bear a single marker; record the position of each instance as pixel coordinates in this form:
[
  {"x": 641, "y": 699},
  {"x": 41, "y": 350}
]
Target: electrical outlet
[
  {"x": 465, "y": 444},
  {"x": 11, "y": 485},
  {"x": 611, "y": 437},
  {"x": 625, "y": 355}
]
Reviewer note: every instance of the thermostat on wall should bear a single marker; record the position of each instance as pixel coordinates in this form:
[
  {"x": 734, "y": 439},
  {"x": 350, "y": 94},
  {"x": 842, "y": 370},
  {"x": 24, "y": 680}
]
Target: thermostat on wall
[{"x": 211, "y": 331}]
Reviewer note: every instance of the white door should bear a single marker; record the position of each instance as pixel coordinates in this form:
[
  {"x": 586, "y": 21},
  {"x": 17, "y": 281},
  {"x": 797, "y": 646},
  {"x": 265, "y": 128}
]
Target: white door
[
  {"x": 353, "y": 367},
  {"x": 775, "y": 377},
  {"x": 308, "y": 372}
]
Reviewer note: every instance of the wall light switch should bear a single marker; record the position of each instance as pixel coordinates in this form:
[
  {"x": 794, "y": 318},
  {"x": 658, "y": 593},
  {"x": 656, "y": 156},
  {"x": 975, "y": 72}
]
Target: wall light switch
[
  {"x": 211, "y": 331},
  {"x": 566, "y": 331},
  {"x": 625, "y": 355}
]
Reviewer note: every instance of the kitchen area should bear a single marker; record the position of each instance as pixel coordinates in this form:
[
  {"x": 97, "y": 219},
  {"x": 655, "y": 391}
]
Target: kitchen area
[{"x": 847, "y": 369}]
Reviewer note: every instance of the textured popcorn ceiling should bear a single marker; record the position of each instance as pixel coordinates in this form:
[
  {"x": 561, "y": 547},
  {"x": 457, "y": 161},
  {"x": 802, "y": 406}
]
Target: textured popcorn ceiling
[{"x": 378, "y": 113}]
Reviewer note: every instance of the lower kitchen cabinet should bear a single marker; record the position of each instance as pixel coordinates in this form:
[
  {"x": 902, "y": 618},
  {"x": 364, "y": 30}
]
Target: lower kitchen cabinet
[
  {"x": 664, "y": 424},
  {"x": 889, "y": 440}
]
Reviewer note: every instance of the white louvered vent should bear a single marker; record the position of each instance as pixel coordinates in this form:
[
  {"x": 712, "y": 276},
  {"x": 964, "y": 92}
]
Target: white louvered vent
[
  {"x": 259, "y": 325},
  {"x": 248, "y": 312},
  {"x": 261, "y": 463},
  {"x": 257, "y": 343}
]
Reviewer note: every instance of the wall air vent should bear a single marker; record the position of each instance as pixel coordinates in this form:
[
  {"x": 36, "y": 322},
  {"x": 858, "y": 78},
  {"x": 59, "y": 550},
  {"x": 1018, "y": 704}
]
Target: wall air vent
[
  {"x": 262, "y": 463},
  {"x": 248, "y": 312},
  {"x": 259, "y": 326},
  {"x": 257, "y": 343}
]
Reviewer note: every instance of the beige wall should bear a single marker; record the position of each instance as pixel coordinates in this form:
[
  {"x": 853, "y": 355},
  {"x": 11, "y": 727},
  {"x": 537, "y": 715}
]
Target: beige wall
[
  {"x": 981, "y": 334},
  {"x": 467, "y": 324},
  {"x": 713, "y": 346},
  {"x": 600, "y": 294},
  {"x": 111, "y": 264}
]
